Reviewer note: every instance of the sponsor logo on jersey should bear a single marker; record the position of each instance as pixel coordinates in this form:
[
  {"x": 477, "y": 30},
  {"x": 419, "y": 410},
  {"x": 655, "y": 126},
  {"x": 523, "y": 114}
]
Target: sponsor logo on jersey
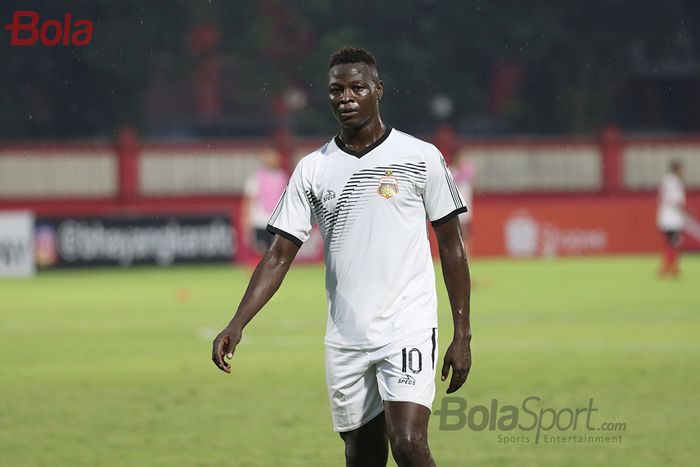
[
  {"x": 407, "y": 379},
  {"x": 330, "y": 194},
  {"x": 388, "y": 185}
]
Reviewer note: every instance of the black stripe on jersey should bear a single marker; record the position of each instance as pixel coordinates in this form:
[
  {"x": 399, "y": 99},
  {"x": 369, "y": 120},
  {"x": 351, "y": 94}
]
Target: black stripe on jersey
[
  {"x": 432, "y": 353},
  {"x": 446, "y": 218},
  {"x": 414, "y": 168},
  {"x": 451, "y": 184},
  {"x": 360, "y": 188},
  {"x": 278, "y": 208},
  {"x": 320, "y": 213},
  {"x": 284, "y": 234}
]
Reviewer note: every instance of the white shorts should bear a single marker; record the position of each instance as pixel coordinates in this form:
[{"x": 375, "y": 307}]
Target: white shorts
[{"x": 358, "y": 381}]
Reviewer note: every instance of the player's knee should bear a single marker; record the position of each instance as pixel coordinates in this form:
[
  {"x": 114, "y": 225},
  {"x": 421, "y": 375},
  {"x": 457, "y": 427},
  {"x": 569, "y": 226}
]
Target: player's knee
[
  {"x": 353, "y": 454},
  {"x": 360, "y": 449},
  {"x": 409, "y": 446},
  {"x": 360, "y": 453}
]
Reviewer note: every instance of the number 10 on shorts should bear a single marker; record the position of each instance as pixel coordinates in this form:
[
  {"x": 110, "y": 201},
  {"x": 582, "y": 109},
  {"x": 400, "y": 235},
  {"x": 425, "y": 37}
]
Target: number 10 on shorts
[{"x": 412, "y": 360}]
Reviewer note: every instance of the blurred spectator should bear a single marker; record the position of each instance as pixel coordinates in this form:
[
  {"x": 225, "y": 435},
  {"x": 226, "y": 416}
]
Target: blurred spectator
[
  {"x": 670, "y": 217},
  {"x": 263, "y": 189},
  {"x": 464, "y": 174}
]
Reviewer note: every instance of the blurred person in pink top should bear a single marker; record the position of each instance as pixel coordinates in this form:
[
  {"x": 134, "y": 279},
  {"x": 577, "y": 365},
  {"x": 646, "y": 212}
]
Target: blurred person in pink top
[
  {"x": 263, "y": 189},
  {"x": 464, "y": 174}
]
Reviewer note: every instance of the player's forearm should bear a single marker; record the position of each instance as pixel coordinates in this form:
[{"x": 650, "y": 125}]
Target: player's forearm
[
  {"x": 266, "y": 280},
  {"x": 455, "y": 271}
]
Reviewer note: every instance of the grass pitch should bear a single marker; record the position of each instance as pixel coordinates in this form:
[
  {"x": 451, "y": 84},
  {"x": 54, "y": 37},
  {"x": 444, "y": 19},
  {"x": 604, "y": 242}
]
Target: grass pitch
[{"x": 112, "y": 367}]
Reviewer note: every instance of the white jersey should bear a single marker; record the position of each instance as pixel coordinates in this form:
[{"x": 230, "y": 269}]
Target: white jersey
[
  {"x": 371, "y": 209},
  {"x": 670, "y": 216}
]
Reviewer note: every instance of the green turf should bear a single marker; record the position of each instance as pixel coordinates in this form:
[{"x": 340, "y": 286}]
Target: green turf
[{"x": 111, "y": 367}]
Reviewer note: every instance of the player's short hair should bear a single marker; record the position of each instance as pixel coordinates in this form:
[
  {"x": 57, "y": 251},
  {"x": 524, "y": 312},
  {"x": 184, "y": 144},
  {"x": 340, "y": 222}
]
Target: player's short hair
[
  {"x": 674, "y": 165},
  {"x": 352, "y": 55}
]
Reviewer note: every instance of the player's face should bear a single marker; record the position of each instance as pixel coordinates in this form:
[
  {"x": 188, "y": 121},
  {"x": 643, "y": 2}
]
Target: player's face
[{"x": 354, "y": 91}]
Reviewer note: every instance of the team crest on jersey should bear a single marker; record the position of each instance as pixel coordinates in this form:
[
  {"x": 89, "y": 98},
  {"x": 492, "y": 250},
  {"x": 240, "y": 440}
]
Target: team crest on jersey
[{"x": 388, "y": 185}]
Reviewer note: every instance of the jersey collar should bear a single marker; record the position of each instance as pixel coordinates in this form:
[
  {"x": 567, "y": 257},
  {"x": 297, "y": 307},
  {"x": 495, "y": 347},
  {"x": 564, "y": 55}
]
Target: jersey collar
[{"x": 358, "y": 154}]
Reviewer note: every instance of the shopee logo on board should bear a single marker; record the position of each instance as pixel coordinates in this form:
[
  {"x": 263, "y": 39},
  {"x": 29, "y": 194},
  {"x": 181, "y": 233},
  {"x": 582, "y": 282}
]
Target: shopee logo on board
[
  {"x": 27, "y": 28},
  {"x": 526, "y": 236}
]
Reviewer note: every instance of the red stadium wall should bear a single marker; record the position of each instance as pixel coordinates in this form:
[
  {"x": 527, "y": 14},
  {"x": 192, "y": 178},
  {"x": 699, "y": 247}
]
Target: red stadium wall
[
  {"x": 519, "y": 226},
  {"x": 569, "y": 225},
  {"x": 613, "y": 212}
]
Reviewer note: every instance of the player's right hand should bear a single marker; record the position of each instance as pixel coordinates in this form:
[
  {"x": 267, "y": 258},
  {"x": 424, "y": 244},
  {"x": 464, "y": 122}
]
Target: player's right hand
[{"x": 224, "y": 346}]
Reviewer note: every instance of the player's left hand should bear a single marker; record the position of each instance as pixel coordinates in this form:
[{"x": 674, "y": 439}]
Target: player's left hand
[
  {"x": 224, "y": 347},
  {"x": 459, "y": 357}
]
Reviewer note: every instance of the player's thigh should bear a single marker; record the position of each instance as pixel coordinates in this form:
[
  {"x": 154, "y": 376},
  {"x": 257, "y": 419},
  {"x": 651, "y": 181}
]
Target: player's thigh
[
  {"x": 370, "y": 437},
  {"x": 406, "y": 421},
  {"x": 367, "y": 446}
]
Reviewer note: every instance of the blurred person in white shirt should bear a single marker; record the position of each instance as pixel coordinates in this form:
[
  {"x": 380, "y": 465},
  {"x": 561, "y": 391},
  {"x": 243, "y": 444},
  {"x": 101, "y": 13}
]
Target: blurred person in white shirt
[{"x": 670, "y": 217}]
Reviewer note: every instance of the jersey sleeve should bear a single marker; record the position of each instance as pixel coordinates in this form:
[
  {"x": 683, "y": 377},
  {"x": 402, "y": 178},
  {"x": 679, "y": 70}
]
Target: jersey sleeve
[
  {"x": 441, "y": 198},
  {"x": 292, "y": 217}
]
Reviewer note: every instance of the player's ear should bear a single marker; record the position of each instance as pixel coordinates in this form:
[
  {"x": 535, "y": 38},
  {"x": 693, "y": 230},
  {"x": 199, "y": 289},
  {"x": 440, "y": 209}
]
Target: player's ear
[{"x": 380, "y": 89}]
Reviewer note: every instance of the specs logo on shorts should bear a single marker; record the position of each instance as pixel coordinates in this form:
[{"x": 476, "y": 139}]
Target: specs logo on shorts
[
  {"x": 388, "y": 185},
  {"x": 330, "y": 194},
  {"x": 407, "y": 379}
]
